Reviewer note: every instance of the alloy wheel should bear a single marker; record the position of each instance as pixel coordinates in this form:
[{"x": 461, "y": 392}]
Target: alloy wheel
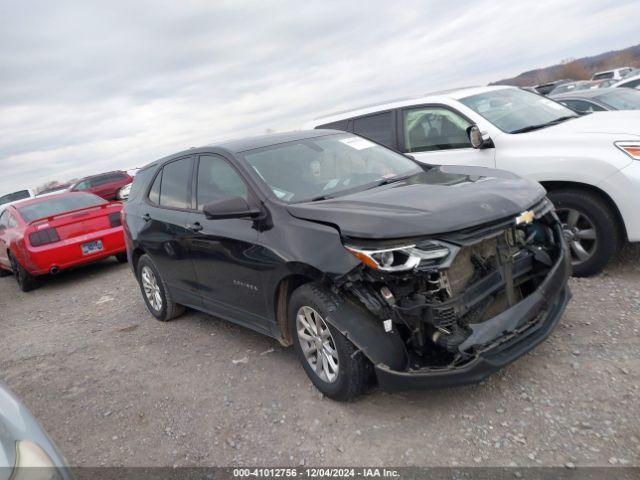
[
  {"x": 151, "y": 288},
  {"x": 317, "y": 344},
  {"x": 579, "y": 233}
]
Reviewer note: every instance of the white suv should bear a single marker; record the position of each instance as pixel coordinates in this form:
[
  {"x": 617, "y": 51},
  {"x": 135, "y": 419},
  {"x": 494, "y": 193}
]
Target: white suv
[
  {"x": 590, "y": 165},
  {"x": 615, "y": 74}
]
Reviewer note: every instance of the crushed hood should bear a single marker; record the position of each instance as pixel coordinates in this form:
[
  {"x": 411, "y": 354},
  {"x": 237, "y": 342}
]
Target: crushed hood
[{"x": 439, "y": 200}]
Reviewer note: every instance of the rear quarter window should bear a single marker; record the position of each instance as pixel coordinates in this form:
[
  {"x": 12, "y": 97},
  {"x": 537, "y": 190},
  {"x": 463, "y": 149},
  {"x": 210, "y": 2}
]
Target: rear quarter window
[
  {"x": 140, "y": 182},
  {"x": 377, "y": 127}
]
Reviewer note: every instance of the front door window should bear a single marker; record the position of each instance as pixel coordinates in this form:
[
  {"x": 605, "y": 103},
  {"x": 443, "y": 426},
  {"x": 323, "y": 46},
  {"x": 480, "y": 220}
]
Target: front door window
[{"x": 434, "y": 128}]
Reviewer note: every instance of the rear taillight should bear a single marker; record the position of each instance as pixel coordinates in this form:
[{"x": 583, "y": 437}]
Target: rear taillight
[
  {"x": 43, "y": 237},
  {"x": 114, "y": 219}
]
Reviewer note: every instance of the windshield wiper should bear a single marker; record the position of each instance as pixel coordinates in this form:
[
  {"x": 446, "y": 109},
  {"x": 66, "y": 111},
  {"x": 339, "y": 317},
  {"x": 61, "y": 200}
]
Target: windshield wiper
[
  {"x": 531, "y": 128},
  {"x": 387, "y": 181},
  {"x": 319, "y": 198}
]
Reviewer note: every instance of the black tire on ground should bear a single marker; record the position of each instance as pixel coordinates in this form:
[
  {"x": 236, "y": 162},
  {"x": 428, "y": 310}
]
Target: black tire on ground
[
  {"x": 26, "y": 281},
  {"x": 168, "y": 309},
  {"x": 607, "y": 229},
  {"x": 5, "y": 273},
  {"x": 121, "y": 257},
  {"x": 354, "y": 369}
]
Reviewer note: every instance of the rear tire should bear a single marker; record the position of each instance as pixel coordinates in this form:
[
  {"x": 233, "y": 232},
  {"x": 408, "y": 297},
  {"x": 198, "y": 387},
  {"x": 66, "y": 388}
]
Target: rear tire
[
  {"x": 26, "y": 281},
  {"x": 353, "y": 368},
  {"x": 121, "y": 257},
  {"x": 155, "y": 291},
  {"x": 583, "y": 212}
]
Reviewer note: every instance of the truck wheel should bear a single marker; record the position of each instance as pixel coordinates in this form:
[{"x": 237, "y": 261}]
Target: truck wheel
[
  {"x": 26, "y": 281},
  {"x": 155, "y": 291},
  {"x": 333, "y": 364},
  {"x": 590, "y": 229}
]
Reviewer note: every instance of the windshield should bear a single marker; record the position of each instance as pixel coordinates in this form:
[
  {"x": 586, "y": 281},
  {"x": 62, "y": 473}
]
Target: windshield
[
  {"x": 513, "y": 110},
  {"x": 621, "y": 99},
  {"x": 49, "y": 207},
  {"x": 15, "y": 196},
  {"x": 326, "y": 166}
]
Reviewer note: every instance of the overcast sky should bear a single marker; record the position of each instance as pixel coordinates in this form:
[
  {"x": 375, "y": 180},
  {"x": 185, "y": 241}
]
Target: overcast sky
[{"x": 92, "y": 86}]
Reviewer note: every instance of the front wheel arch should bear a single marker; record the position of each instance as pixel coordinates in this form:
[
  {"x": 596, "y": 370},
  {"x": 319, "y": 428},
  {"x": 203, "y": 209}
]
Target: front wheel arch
[{"x": 554, "y": 186}]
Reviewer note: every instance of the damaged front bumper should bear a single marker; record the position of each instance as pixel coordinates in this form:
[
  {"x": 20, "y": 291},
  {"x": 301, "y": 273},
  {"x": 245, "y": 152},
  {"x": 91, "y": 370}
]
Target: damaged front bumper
[{"x": 501, "y": 339}]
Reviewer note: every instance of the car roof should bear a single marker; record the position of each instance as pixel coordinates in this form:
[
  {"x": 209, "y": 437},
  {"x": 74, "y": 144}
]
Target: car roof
[
  {"x": 239, "y": 145},
  {"x": 98, "y": 175},
  {"x": 626, "y": 79},
  {"x": 591, "y": 93},
  {"x": 434, "y": 97}
]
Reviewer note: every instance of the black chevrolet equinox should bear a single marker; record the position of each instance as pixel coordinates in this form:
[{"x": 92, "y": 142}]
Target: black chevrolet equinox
[{"x": 374, "y": 267}]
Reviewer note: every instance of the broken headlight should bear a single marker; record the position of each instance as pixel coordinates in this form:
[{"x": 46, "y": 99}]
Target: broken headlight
[{"x": 402, "y": 258}]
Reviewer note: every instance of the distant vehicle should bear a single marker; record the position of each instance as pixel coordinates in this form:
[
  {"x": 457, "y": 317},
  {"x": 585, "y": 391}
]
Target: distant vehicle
[
  {"x": 16, "y": 196},
  {"x": 105, "y": 185},
  {"x": 590, "y": 164},
  {"x": 615, "y": 74},
  {"x": 26, "y": 451},
  {"x": 361, "y": 258},
  {"x": 52, "y": 190},
  {"x": 602, "y": 99},
  {"x": 629, "y": 82},
  {"x": 603, "y": 83},
  {"x": 571, "y": 86},
  {"x": 45, "y": 235},
  {"x": 632, "y": 73},
  {"x": 124, "y": 192},
  {"x": 546, "y": 88}
]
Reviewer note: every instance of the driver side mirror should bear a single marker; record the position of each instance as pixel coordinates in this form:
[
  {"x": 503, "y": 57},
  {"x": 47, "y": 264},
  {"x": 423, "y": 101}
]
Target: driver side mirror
[
  {"x": 229, "y": 207},
  {"x": 479, "y": 139}
]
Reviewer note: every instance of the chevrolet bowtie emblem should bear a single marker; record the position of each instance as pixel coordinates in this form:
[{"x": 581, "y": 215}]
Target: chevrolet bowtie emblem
[{"x": 525, "y": 217}]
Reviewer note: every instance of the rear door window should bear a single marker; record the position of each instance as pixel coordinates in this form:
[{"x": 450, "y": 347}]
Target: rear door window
[{"x": 378, "y": 127}]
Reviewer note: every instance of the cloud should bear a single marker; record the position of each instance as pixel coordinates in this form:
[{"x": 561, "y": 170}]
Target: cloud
[{"x": 92, "y": 86}]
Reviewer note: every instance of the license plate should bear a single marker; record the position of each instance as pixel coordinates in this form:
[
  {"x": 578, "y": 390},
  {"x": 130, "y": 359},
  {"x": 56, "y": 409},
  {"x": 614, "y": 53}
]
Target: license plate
[{"x": 91, "y": 247}]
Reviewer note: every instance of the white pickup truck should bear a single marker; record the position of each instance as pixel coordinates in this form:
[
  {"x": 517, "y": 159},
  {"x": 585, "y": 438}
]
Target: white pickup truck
[{"x": 590, "y": 164}]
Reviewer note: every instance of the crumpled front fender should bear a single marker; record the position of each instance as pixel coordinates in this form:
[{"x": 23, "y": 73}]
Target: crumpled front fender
[{"x": 367, "y": 333}]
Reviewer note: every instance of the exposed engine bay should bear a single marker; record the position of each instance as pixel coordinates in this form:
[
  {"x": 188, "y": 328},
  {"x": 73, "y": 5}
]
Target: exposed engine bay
[{"x": 433, "y": 292}]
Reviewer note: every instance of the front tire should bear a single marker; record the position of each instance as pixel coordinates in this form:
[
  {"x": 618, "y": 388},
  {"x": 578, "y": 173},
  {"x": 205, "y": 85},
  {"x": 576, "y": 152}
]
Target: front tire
[
  {"x": 155, "y": 291},
  {"x": 332, "y": 363},
  {"x": 591, "y": 229},
  {"x": 26, "y": 281}
]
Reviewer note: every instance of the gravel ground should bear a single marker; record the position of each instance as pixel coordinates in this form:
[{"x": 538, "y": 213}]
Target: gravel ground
[{"x": 113, "y": 386}]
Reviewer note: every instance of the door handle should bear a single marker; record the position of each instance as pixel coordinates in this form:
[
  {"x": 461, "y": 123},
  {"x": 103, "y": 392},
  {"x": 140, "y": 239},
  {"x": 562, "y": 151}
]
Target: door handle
[
  {"x": 146, "y": 217},
  {"x": 195, "y": 227}
]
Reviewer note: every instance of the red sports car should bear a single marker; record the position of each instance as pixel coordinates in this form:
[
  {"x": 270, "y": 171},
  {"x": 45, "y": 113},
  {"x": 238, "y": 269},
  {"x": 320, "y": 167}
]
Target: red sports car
[{"x": 44, "y": 235}]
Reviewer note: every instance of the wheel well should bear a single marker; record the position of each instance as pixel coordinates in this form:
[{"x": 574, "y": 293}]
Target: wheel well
[
  {"x": 283, "y": 294},
  {"x": 135, "y": 256},
  {"x": 555, "y": 186}
]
